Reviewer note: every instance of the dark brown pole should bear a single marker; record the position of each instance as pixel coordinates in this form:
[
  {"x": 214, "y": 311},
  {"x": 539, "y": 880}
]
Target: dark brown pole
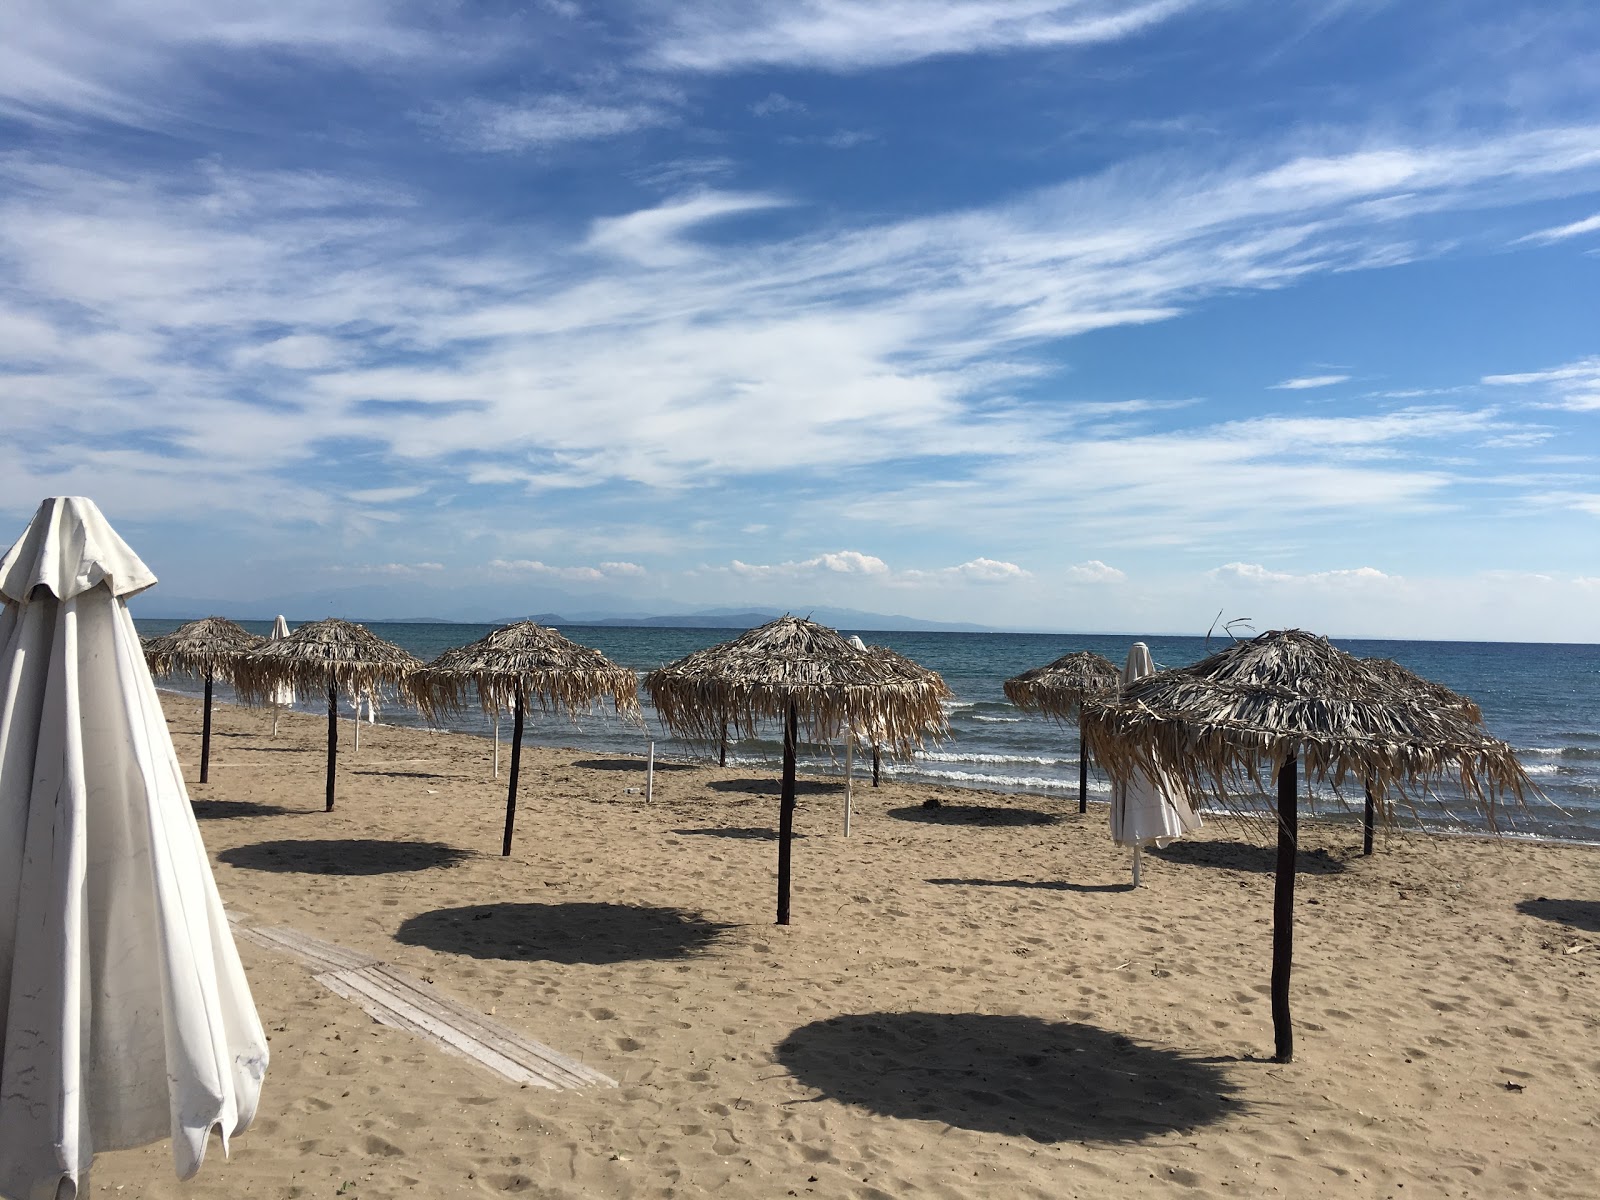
[
  {"x": 1366, "y": 828},
  {"x": 516, "y": 765},
  {"x": 205, "y": 734},
  {"x": 722, "y": 750},
  {"x": 877, "y": 761},
  {"x": 1283, "y": 906},
  {"x": 333, "y": 738},
  {"x": 1083, "y": 770},
  {"x": 791, "y": 729}
]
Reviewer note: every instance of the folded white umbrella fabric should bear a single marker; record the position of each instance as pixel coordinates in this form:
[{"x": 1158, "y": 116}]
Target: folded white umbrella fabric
[
  {"x": 1145, "y": 810},
  {"x": 125, "y": 1016}
]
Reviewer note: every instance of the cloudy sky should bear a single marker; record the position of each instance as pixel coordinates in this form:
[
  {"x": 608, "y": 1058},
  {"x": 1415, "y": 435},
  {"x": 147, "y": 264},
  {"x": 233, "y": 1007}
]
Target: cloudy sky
[{"x": 1095, "y": 315}]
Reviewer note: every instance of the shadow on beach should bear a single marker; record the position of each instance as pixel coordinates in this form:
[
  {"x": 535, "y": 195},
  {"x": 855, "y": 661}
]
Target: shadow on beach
[
  {"x": 596, "y": 934},
  {"x": 1050, "y": 1081},
  {"x": 1050, "y": 885},
  {"x": 629, "y": 764},
  {"x": 974, "y": 814},
  {"x": 773, "y": 787},
  {"x": 347, "y": 856},
  {"x": 1245, "y": 856},
  {"x": 1578, "y": 914},
  {"x": 752, "y": 832},
  {"x": 210, "y": 810},
  {"x": 400, "y": 774}
]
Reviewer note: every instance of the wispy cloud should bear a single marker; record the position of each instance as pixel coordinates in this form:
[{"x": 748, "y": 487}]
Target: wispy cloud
[
  {"x": 1561, "y": 233},
  {"x": 1095, "y": 571},
  {"x": 579, "y": 574},
  {"x": 1309, "y": 381},
  {"x": 1574, "y": 387},
  {"x": 1254, "y": 573},
  {"x": 847, "y": 35},
  {"x": 541, "y": 122}
]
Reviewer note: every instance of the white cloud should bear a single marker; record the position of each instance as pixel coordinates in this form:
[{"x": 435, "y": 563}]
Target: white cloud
[
  {"x": 1574, "y": 387},
  {"x": 847, "y": 35},
  {"x": 1561, "y": 232},
  {"x": 1255, "y": 574},
  {"x": 389, "y": 495},
  {"x": 842, "y": 562},
  {"x": 540, "y": 122},
  {"x": 1310, "y": 381},
  {"x": 1095, "y": 571},
  {"x": 398, "y": 570},
  {"x": 652, "y": 237},
  {"x": 594, "y": 574}
]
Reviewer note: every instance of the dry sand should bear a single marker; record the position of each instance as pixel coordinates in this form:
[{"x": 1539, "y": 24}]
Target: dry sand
[{"x": 970, "y": 1002}]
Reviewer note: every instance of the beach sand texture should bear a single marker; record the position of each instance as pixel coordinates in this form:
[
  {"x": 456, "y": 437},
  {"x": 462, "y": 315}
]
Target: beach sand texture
[{"x": 971, "y": 1002}]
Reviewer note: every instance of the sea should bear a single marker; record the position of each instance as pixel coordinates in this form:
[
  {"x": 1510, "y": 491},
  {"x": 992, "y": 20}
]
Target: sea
[{"x": 1543, "y": 699}]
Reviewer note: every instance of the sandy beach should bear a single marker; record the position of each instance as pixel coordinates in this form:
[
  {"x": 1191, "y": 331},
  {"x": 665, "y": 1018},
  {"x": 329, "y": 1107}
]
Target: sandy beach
[{"x": 971, "y": 1001}]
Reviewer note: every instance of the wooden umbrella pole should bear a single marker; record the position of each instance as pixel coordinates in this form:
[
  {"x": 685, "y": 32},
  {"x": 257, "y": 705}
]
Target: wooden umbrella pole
[
  {"x": 333, "y": 739},
  {"x": 516, "y": 766},
  {"x": 1083, "y": 770},
  {"x": 205, "y": 734},
  {"x": 722, "y": 746},
  {"x": 877, "y": 761},
  {"x": 1366, "y": 823},
  {"x": 1283, "y": 906},
  {"x": 497, "y": 743},
  {"x": 791, "y": 728}
]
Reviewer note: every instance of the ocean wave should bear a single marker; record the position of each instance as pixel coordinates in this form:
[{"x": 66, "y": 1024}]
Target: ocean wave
[
  {"x": 1543, "y": 769},
  {"x": 945, "y": 756},
  {"x": 981, "y": 779},
  {"x": 996, "y": 720}
]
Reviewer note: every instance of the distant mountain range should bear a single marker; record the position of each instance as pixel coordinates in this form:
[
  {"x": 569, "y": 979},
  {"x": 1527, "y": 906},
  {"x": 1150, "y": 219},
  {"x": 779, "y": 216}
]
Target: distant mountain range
[{"x": 839, "y": 618}]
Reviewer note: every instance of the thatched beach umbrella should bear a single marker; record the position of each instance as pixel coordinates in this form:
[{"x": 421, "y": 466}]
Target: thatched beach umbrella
[
  {"x": 523, "y": 662},
  {"x": 333, "y": 654},
  {"x": 1059, "y": 690},
  {"x": 1425, "y": 691},
  {"x": 795, "y": 671},
  {"x": 209, "y": 648},
  {"x": 911, "y": 672},
  {"x": 1275, "y": 701}
]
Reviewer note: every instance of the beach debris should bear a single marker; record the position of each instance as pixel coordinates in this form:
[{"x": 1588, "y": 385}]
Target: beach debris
[{"x": 1515, "y": 1087}]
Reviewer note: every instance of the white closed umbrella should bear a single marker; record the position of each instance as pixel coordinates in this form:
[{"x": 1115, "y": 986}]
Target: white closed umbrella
[
  {"x": 1146, "y": 810},
  {"x": 125, "y": 1017},
  {"x": 283, "y": 694}
]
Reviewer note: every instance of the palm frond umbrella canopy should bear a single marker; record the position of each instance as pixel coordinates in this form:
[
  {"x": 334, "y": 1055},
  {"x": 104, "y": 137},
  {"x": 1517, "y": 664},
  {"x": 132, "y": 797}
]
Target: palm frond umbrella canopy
[
  {"x": 1278, "y": 700},
  {"x": 803, "y": 674},
  {"x": 912, "y": 672},
  {"x": 1424, "y": 691},
  {"x": 209, "y": 648},
  {"x": 1059, "y": 689},
  {"x": 283, "y": 695},
  {"x": 523, "y": 663},
  {"x": 340, "y": 656}
]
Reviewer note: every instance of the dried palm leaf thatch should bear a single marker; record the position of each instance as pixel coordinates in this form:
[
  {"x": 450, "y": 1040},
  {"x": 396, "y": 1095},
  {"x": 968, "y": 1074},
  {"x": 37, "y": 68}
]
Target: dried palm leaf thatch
[
  {"x": 791, "y": 661},
  {"x": 1403, "y": 679},
  {"x": 1216, "y": 725},
  {"x": 912, "y": 672},
  {"x": 327, "y": 654},
  {"x": 209, "y": 648},
  {"x": 525, "y": 662},
  {"x": 1059, "y": 688}
]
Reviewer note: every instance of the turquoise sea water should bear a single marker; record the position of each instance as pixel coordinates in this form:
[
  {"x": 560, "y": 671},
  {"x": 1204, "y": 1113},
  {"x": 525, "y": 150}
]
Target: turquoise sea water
[{"x": 1543, "y": 699}]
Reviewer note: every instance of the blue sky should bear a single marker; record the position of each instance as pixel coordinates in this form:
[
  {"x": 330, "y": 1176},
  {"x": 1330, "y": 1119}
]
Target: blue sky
[{"x": 1098, "y": 315}]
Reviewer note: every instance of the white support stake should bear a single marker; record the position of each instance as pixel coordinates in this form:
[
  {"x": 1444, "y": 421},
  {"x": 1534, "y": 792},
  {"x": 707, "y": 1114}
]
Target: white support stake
[
  {"x": 650, "y": 775},
  {"x": 497, "y": 743},
  {"x": 849, "y": 788},
  {"x": 1138, "y": 854}
]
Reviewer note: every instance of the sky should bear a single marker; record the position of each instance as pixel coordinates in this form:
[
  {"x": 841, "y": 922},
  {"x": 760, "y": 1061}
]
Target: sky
[{"x": 1070, "y": 315}]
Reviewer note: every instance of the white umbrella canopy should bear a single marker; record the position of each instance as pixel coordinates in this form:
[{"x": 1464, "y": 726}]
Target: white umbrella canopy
[
  {"x": 1146, "y": 806},
  {"x": 283, "y": 695},
  {"x": 125, "y": 1016}
]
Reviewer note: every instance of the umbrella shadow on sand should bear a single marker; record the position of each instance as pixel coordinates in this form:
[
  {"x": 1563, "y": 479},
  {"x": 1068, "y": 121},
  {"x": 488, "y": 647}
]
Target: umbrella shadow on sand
[
  {"x": 1578, "y": 914},
  {"x": 343, "y": 856},
  {"x": 1050, "y": 885},
  {"x": 1049, "y": 1081},
  {"x": 1245, "y": 856},
  {"x": 974, "y": 814},
  {"x": 750, "y": 833},
  {"x": 629, "y": 764},
  {"x": 596, "y": 934},
  {"x": 773, "y": 787},
  {"x": 210, "y": 810}
]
